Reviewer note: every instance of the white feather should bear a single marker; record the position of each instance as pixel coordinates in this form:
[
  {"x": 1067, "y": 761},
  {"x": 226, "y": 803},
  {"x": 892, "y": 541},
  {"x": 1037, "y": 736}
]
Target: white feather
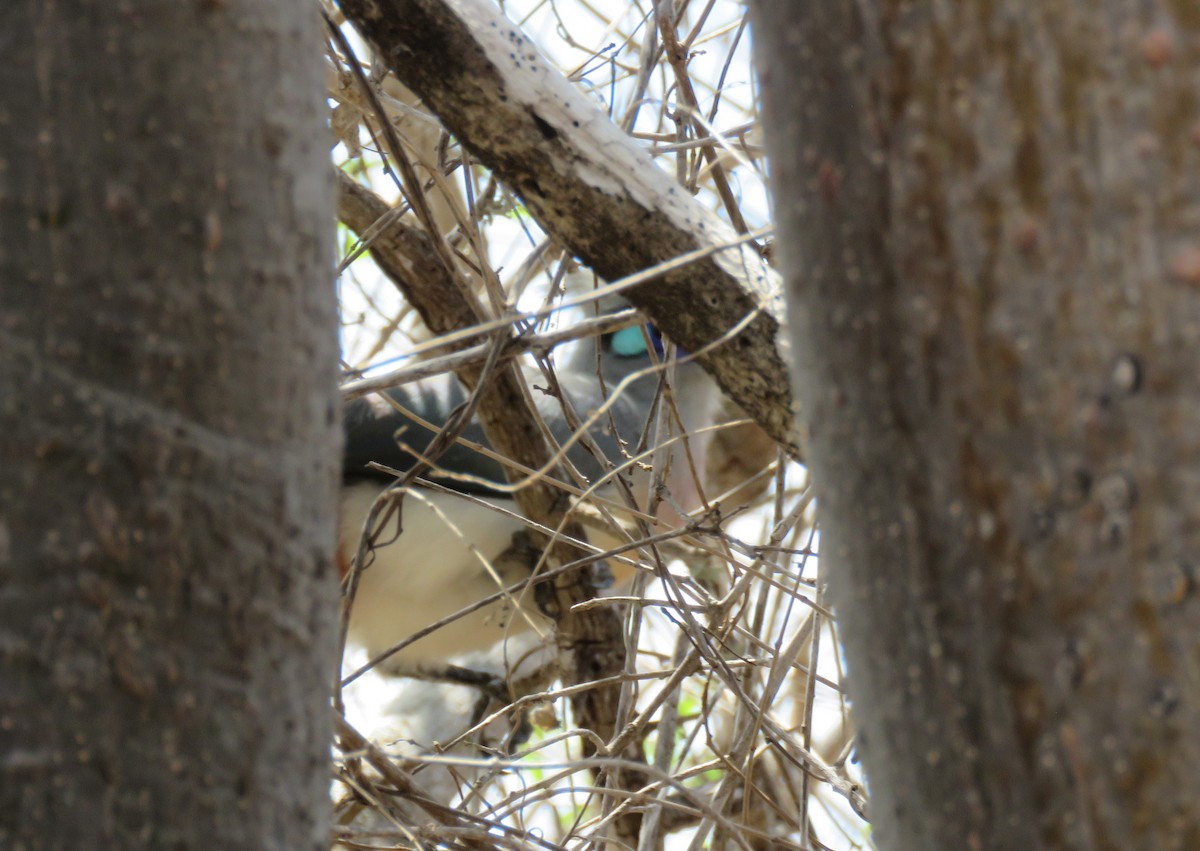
[{"x": 431, "y": 571}]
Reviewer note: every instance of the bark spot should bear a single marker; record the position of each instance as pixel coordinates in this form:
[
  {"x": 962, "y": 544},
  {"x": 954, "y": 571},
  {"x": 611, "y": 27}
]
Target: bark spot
[
  {"x": 1116, "y": 493},
  {"x": 1170, "y": 583},
  {"x": 829, "y": 178},
  {"x": 1157, "y": 48},
  {"x": 1025, "y": 235},
  {"x": 273, "y": 139},
  {"x": 104, "y": 518},
  {"x": 1127, "y": 374},
  {"x": 119, "y": 201},
  {"x": 1185, "y": 265}
]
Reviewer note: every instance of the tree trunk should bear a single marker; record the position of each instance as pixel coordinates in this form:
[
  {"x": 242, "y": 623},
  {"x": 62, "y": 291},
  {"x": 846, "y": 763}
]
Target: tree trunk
[
  {"x": 989, "y": 216},
  {"x": 168, "y": 436}
]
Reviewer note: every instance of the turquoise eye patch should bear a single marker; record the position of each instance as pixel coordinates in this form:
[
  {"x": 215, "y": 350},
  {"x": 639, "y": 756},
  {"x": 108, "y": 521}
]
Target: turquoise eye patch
[{"x": 629, "y": 342}]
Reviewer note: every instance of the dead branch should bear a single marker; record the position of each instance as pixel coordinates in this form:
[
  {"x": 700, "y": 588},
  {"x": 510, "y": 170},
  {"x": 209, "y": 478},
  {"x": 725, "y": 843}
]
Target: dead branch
[{"x": 591, "y": 187}]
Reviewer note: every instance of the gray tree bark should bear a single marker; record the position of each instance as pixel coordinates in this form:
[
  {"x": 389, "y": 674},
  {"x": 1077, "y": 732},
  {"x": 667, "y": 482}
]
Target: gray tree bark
[
  {"x": 168, "y": 426},
  {"x": 989, "y": 218}
]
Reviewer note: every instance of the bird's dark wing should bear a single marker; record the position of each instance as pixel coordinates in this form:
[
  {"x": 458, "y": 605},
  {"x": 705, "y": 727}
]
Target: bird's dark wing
[{"x": 377, "y": 431}]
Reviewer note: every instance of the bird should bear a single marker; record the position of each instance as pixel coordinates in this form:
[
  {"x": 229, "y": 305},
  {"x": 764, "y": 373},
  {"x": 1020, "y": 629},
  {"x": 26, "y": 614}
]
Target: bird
[{"x": 456, "y": 540}]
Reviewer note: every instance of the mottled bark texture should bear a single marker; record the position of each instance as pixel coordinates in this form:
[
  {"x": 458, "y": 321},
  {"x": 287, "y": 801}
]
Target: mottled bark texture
[
  {"x": 168, "y": 428},
  {"x": 989, "y": 217},
  {"x": 590, "y": 186}
]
